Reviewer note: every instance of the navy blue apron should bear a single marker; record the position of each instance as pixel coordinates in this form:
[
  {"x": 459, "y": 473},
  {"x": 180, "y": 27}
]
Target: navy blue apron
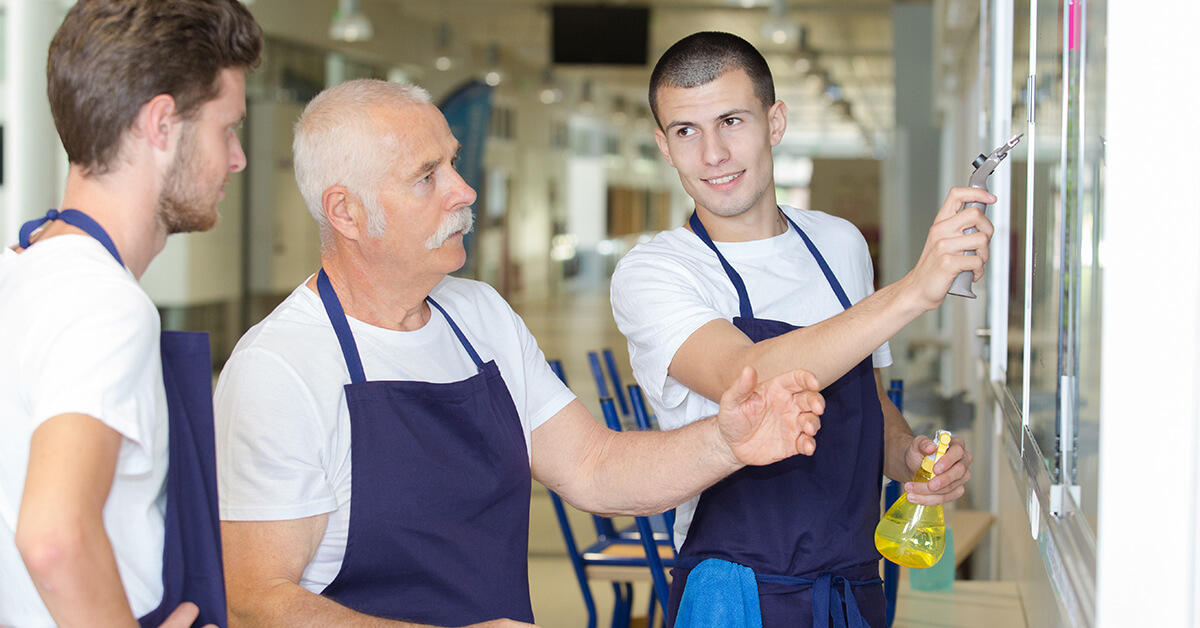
[
  {"x": 192, "y": 570},
  {"x": 806, "y": 524},
  {"x": 439, "y": 502}
]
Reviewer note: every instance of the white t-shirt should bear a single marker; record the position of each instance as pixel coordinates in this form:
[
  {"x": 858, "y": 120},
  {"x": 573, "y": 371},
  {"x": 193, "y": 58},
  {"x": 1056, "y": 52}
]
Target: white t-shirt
[
  {"x": 78, "y": 335},
  {"x": 667, "y": 288},
  {"x": 283, "y": 427}
]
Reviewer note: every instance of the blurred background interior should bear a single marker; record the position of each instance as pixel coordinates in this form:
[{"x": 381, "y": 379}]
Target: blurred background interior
[{"x": 888, "y": 104}]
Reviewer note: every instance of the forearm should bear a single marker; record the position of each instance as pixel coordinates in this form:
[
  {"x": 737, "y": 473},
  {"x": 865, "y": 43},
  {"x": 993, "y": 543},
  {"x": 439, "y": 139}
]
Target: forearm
[
  {"x": 830, "y": 348},
  {"x": 282, "y": 603},
  {"x": 73, "y": 567},
  {"x": 645, "y": 473},
  {"x": 897, "y": 439},
  {"x": 716, "y": 353}
]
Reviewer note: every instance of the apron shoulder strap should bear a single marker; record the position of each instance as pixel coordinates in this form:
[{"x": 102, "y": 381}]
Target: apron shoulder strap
[
  {"x": 341, "y": 327},
  {"x": 75, "y": 218},
  {"x": 744, "y": 309},
  {"x": 829, "y": 276},
  {"x": 462, "y": 338}
]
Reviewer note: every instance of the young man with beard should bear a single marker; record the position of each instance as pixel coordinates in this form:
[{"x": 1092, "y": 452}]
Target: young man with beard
[
  {"x": 749, "y": 283},
  {"x": 147, "y": 96},
  {"x": 378, "y": 431}
]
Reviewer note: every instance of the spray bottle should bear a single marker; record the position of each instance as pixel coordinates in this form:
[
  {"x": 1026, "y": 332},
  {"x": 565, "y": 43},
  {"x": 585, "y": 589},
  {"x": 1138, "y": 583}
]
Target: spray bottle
[
  {"x": 984, "y": 165},
  {"x": 910, "y": 534}
]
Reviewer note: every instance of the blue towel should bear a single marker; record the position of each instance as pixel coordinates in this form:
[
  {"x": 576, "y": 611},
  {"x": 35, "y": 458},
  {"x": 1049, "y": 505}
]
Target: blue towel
[{"x": 719, "y": 593}]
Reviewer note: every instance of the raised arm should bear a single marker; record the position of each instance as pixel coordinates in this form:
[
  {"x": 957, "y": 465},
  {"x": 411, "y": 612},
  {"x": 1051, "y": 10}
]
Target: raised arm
[
  {"x": 643, "y": 473},
  {"x": 716, "y": 352}
]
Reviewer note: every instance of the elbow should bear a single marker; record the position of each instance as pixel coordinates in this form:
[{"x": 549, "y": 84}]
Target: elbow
[
  {"x": 49, "y": 550},
  {"x": 263, "y": 603}
]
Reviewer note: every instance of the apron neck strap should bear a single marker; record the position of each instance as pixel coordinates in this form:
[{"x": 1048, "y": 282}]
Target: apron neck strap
[
  {"x": 829, "y": 276},
  {"x": 743, "y": 296},
  {"x": 75, "y": 218},
  {"x": 462, "y": 338},
  {"x": 341, "y": 327}
]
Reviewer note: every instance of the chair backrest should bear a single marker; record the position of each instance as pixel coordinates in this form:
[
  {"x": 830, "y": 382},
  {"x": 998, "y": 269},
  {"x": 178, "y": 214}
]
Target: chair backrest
[
  {"x": 645, "y": 525},
  {"x": 640, "y": 414},
  {"x": 613, "y": 374},
  {"x": 604, "y": 526}
]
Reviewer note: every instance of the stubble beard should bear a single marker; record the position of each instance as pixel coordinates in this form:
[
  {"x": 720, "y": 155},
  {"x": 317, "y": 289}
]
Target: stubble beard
[
  {"x": 737, "y": 207},
  {"x": 182, "y": 207}
]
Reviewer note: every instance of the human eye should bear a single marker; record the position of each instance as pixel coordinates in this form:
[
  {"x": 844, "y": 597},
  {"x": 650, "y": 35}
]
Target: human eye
[
  {"x": 685, "y": 131},
  {"x": 731, "y": 121}
]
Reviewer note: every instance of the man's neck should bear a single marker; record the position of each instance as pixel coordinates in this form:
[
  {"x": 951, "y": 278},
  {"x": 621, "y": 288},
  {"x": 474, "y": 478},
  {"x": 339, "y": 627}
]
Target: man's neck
[
  {"x": 125, "y": 205},
  {"x": 748, "y": 226},
  {"x": 390, "y": 300}
]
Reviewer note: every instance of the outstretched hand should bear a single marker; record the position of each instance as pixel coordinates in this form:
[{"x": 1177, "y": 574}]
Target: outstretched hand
[
  {"x": 942, "y": 258},
  {"x": 777, "y": 419}
]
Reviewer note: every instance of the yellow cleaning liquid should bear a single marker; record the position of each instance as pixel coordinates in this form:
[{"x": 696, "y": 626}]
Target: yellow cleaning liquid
[{"x": 910, "y": 534}]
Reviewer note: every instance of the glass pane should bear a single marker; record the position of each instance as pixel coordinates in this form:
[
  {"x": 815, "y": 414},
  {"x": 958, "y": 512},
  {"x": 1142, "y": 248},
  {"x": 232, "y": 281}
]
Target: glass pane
[
  {"x": 1019, "y": 161},
  {"x": 1045, "y": 337},
  {"x": 1091, "y": 214}
]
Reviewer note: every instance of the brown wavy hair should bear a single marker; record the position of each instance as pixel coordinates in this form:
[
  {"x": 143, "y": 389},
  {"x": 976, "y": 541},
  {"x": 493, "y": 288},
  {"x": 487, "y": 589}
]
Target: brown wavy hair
[{"x": 110, "y": 57}]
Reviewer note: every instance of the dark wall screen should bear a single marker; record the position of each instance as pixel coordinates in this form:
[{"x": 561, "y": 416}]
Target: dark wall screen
[{"x": 604, "y": 35}]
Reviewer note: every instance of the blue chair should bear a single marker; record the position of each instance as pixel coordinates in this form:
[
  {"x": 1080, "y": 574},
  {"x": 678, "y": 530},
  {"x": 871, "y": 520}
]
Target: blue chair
[
  {"x": 891, "y": 571},
  {"x": 659, "y": 553},
  {"x": 620, "y": 559},
  {"x": 604, "y": 526},
  {"x": 646, "y": 525}
]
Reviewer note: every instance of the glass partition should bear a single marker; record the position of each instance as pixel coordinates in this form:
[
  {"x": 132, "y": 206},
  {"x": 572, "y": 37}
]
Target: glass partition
[
  {"x": 1090, "y": 175},
  {"x": 1018, "y": 166},
  {"x": 1047, "y": 339}
]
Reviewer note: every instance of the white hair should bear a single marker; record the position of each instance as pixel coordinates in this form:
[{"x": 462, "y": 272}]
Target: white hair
[{"x": 336, "y": 142}]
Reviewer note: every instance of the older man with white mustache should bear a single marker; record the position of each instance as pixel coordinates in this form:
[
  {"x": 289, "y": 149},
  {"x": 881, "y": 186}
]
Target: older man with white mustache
[{"x": 378, "y": 431}]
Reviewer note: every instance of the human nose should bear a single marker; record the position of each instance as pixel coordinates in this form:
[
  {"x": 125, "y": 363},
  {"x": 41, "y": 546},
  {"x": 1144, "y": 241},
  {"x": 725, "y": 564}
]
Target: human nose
[
  {"x": 462, "y": 194},
  {"x": 237, "y": 156},
  {"x": 714, "y": 150}
]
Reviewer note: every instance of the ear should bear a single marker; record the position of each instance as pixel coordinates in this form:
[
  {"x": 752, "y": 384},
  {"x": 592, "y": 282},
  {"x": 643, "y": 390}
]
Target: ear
[
  {"x": 157, "y": 120},
  {"x": 777, "y": 116},
  {"x": 344, "y": 212},
  {"x": 660, "y": 138}
]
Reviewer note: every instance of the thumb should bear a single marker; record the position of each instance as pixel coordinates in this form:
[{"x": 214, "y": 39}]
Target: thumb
[
  {"x": 745, "y": 384},
  {"x": 182, "y": 616}
]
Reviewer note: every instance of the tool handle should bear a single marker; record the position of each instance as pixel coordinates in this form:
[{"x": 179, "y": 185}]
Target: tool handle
[{"x": 961, "y": 286}]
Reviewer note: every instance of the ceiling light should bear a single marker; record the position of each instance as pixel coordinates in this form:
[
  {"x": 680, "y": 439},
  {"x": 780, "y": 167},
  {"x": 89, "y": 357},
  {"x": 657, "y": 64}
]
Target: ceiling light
[
  {"x": 778, "y": 27},
  {"x": 350, "y": 23}
]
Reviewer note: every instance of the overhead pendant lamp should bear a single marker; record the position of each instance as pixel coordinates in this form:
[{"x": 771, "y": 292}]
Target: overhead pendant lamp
[{"x": 350, "y": 23}]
